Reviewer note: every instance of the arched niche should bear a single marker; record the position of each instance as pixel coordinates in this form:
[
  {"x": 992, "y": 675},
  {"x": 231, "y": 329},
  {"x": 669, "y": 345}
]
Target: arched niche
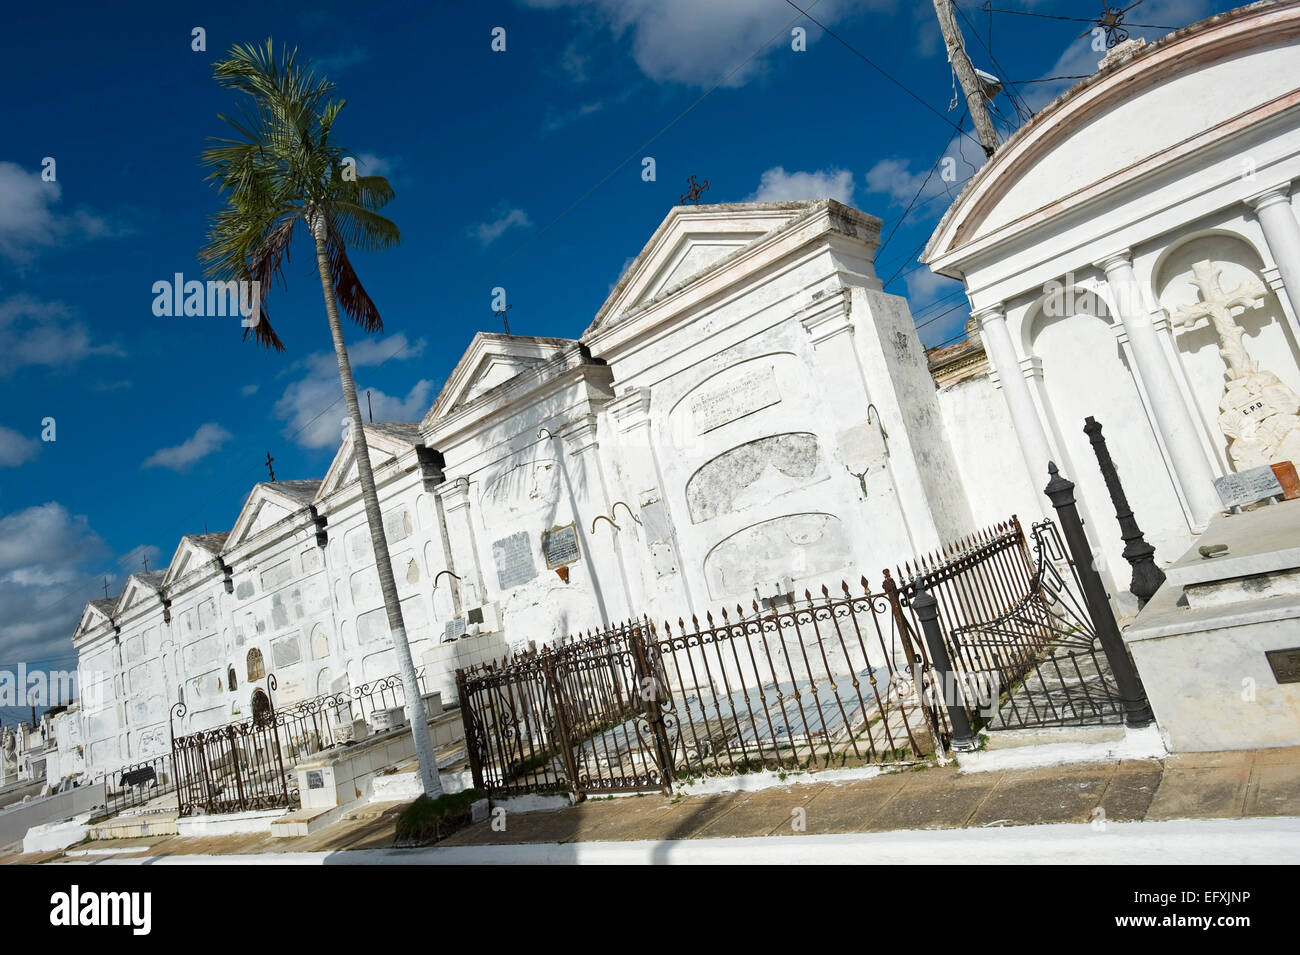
[
  {"x": 800, "y": 546},
  {"x": 1085, "y": 372},
  {"x": 754, "y": 473},
  {"x": 1269, "y": 339},
  {"x": 254, "y": 665}
]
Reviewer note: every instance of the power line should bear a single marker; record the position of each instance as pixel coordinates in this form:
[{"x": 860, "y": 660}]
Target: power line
[
  {"x": 1092, "y": 20},
  {"x": 59, "y": 601},
  {"x": 879, "y": 69}
]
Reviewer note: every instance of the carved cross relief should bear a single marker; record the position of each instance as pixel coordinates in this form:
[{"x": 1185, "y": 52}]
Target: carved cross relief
[{"x": 1258, "y": 412}]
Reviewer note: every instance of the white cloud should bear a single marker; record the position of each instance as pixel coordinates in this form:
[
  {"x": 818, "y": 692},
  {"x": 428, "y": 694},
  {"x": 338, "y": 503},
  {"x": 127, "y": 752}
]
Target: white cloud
[
  {"x": 489, "y": 232},
  {"x": 777, "y": 185},
  {"x": 894, "y": 178},
  {"x": 133, "y": 561},
  {"x": 924, "y": 286},
  {"x": 208, "y": 438},
  {"x": 43, "y": 550},
  {"x": 16, "y": 448},
  {"x": 39, "y": 333},
  {"x": 698, "y": 44},
  {"x": 1080, "y": 59},
  {"x": 29, "y": 221},
  {"x": 248, "y": 390},
  {"x": 312, "y": 407},
  {"x": 368, "y": 164},
  {"x": 339, "y": 62}
]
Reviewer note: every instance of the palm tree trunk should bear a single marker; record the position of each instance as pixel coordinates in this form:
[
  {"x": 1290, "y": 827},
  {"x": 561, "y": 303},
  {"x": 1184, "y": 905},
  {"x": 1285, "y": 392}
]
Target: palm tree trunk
[{"x": 415, "y": 714}]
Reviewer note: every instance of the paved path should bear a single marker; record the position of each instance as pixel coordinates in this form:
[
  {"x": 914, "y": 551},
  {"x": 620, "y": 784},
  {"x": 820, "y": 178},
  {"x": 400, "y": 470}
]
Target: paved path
[
  {"x": 1089, "y": 801},
  {"x": 1184, "y": 842}
]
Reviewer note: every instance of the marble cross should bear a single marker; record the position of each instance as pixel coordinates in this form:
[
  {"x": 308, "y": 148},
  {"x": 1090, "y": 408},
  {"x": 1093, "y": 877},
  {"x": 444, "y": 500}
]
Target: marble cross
[{"x": 1216, "y": 307}]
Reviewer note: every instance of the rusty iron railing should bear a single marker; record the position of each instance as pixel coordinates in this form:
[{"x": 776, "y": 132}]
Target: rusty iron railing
[
  {"x": 837, "y": 678},
  {"x": 251, "y": 764}
]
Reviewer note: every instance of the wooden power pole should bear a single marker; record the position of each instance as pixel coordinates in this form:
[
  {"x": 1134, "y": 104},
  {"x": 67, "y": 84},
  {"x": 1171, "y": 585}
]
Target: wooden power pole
[{"x": 970, "y": 82}]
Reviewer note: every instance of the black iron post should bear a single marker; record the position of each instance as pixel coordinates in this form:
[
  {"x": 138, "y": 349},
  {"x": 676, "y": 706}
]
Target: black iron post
[
  {"x": 927, "y": 611},
  {"x": 1147, "y": 577},
  {"x": 1137, "y": 711}
]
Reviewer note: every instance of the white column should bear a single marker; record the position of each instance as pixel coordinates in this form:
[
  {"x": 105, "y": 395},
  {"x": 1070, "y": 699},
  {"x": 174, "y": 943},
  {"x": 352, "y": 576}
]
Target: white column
[
  {"x": 1024, "y": 414},
  {"x": 591, "y": 499},
  {"x": 1173, "y": 418},
  {"x": 1282, "y": 233}
]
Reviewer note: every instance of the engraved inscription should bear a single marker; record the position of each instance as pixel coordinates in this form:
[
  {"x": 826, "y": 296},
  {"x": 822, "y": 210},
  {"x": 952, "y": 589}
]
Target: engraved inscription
[
  {"x": 1247, "y": 487},
  {"x": 560, "y": 546},
  {"x": 513, "y": 557},
  {"x": 717, "y": 407}
]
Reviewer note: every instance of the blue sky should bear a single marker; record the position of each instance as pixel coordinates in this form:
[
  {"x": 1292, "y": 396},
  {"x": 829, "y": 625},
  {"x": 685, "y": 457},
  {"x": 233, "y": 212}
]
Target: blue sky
[{"x": 507, "y": 171}]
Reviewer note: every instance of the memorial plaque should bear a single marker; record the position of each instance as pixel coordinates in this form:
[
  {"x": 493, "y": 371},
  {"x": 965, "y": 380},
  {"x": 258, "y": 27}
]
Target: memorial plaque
[
  {"x": 1285, "y": 664},
  {"x": 560, "y": 546},
  {"x": 513, "y": 557},
  {"x": 454, "y": 630},
  {"x": 315, "y": 780},
  {"x": 717, "y": 406},
  {"x": 1247, "y": 487}
]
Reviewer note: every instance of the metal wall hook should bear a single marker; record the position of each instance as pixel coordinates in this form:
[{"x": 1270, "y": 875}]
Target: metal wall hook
[
  {"x": 627, "y": 507},
  {"x": 438, "y": 576},
  {"x": 603, "y": 517}
]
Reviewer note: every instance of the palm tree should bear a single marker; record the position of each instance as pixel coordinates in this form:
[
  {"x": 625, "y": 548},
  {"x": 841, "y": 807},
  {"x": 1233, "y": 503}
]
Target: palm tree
[{"x": 282, "y": 171}]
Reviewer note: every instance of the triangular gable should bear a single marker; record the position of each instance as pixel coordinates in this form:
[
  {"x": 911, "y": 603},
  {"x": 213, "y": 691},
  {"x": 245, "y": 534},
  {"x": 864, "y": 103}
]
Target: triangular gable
[
  {"x": 92, "y": 616},
  {"x": 266, "y": 505},
  {"x": 384, "y": 441},
  {"x": 689, "y": 242},
  {"x": 139, "y": 587},
  {"x": 193, "y": 554},
  {"x": 491, "y": 360}
]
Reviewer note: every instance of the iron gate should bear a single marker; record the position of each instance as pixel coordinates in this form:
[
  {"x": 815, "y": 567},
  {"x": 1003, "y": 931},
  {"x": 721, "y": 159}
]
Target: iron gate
[{"x": 1037, "y": 663}]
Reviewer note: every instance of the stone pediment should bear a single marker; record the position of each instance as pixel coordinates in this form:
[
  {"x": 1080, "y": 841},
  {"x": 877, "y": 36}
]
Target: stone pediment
[
  {"x": 690, "y": 242},
  {"x": 268, "y": 504},
  {"x": 385, "y": 441},
  {"x": 195, "y": 552},
  {"x": 491, "y": 361},
  {"x": 96, "y": 613},
  {"x": 140, "y": 587}
]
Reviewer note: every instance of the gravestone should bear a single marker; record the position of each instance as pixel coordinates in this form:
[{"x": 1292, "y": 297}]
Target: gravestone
[
  {"x": 718, "y": 406},
  {"x": 560, "y": 546},
  {"x": 513, "y": 557},
  {"x": 1247, "y": 487}
]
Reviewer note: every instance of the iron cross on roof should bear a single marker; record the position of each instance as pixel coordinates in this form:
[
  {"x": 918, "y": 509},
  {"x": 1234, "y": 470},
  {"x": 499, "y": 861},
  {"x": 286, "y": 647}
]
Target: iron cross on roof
[
  {"x": 271, "y": 470},
  {"x": 693, "y": 194},
  {"x": 1112, "y": 21},
  {"x": 501, "y": 314}
]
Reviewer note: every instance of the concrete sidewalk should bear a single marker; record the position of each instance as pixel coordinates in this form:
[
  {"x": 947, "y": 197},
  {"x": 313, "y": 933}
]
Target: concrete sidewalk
[
  {"x": 1262, "y": 783},
  {"x": 1255, "y": 785}
]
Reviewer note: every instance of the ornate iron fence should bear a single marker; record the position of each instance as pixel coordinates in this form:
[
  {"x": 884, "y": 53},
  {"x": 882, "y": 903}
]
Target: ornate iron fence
[
  {"x": 138, "y": 784},
  {"x": 826, "y": 681},
  {"x": 1022, "y": 645},
  {"x": 250, "y": 764},
  {"x": 840, "y": 678}
]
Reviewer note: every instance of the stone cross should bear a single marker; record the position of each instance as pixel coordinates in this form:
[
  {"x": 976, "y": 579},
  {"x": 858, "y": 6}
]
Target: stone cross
[{"x": 1216, "y": 307}]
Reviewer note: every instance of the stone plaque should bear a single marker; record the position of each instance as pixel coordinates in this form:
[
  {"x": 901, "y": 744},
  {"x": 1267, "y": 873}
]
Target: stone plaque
[
  {"x": 1247, "y": 487},
  {"x": 717, "y": 406},
  {"x": 560, "y": 546},
  {"x": 513, "y": 557},
  {"x": 1285, "y": 664},
  {"x": 455, "y": 629},
  {"x": 315, "y": 780}
]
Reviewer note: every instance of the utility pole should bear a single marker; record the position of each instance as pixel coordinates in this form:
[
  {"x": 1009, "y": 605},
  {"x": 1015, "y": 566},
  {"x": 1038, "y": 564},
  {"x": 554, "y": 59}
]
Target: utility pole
[{"x": 970, "y": 82}]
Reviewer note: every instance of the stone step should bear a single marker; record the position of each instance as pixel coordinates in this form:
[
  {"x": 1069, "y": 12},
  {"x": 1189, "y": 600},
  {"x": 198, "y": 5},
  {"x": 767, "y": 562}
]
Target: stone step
[{"x": 1043, "y": 736}]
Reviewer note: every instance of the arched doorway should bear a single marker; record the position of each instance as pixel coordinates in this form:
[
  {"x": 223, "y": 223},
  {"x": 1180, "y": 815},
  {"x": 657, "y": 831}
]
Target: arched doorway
[{"x": 261, "y": 708}]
